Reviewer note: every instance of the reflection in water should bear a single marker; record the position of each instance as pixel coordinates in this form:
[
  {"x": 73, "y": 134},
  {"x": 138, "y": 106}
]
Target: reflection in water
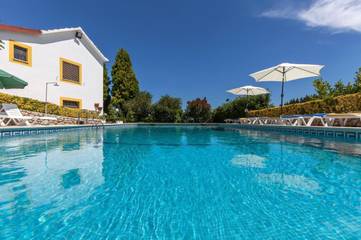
[
  {"x": 121, "y": 155},
  {"x": 199, "y": 137},
  {"x": 334, "y": 145},
  {"x": 71, "y": 178},
  {"x": 57, "y": 170},
  {"x": 249, "y": 160},
  {"x": 296, "y": 182}
]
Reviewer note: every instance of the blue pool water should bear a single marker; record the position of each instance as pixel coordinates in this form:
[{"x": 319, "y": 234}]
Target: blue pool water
[{"x": 178, "y": 183}]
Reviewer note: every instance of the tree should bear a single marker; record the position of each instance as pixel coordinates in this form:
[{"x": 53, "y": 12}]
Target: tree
[
  {"x": 139, "y": 109},
  {"x": 339, "y": 88},
  {"x": 198, "y": 110},
  {"x": 323, "y": 88},
  {"x": 357, "y": 84},
  {"x": 114, "y": 114},
  {"x": 237, "y": 107},
  {"x": 125, "y": 84},
  {"x": 302, "y": 99},
  {"x": 167, "y": 109},
  {"x": 106, "y": 90}
]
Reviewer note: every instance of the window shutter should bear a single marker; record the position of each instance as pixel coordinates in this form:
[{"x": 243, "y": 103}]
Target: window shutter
[
  {"x": 71, "y": 104},
  {"x": 20, "y": 53},
  {"x": 71, "y": 72}
]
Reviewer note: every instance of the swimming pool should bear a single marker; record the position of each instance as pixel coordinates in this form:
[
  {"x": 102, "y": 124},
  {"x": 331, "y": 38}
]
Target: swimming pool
[{"x": 167, "y": 182}]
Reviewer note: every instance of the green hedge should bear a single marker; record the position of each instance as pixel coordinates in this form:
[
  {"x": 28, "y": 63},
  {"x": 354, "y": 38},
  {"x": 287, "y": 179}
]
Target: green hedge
[
  {"x": 340, "y": 104},
  {"x": 38, "y": 106}
]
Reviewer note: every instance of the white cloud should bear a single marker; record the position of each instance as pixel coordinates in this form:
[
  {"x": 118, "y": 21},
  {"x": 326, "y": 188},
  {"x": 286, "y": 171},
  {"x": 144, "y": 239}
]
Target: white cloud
[
  {"x": 337, "y": 15},
  {"x": 278, "y": 13}
]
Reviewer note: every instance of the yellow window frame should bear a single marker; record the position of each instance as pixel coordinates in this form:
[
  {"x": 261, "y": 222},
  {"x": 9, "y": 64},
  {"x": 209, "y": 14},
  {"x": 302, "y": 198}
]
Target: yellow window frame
[
  {"x": 62, "y": 60},
  {"x": 29, "y": 53},
  {"x": 62, "y": 99}
]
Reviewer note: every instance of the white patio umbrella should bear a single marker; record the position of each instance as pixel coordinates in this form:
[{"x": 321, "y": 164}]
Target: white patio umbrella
[
  {"x": 248, "y": 91},
  {"x": 286, "y": 72}
]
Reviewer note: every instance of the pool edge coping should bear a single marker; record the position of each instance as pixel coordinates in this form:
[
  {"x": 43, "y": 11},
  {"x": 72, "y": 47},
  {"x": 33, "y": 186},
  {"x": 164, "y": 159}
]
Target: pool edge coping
[{"x": 331, "y": 132}]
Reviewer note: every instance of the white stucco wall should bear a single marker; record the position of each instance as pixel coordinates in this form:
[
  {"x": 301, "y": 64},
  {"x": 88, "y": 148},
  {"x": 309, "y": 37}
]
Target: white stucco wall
[{"x": 46, "y": 54}]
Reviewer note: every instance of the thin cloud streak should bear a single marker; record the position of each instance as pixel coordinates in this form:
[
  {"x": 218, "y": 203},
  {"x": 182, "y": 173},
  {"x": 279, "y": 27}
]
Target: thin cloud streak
[{"x": 336, "y": 15}]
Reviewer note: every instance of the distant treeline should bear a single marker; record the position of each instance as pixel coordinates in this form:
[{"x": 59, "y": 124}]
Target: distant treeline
[
  {"x": 324, "y": 89},
  {"x": 123, "y": 100}
]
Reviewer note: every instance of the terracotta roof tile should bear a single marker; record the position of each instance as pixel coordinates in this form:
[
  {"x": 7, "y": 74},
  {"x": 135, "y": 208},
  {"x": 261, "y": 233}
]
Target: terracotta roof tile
[{"x": 17, "y": 29}]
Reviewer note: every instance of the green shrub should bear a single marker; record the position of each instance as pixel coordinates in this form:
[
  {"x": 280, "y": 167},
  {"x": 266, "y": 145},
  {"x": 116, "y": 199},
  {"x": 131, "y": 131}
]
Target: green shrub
[
  {"x": 38, "y": 106},
  {"x": 138, "y": 109},
  {"x": 198, "y": 110},
  {"x": 168, "y": 110},
  {"x": 237, "y": 107},
  {"x": 340, "y": 104}
]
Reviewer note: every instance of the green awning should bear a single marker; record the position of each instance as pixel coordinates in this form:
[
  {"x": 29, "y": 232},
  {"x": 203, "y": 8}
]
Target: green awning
[{"x": 9, "y": 81}]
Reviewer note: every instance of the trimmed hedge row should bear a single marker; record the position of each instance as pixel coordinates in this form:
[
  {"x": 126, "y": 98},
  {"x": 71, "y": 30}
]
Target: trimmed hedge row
[
  {"x": 340, "y": 104},
  {"x": 38, "y": 106}
]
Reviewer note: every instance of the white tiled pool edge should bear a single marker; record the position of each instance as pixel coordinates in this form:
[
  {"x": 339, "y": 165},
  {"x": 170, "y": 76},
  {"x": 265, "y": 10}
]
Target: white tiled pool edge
[
  {"x": 331, "y": 132},
  {"x": 28, "y": 130},
  {"x": 349, "y": 133}
]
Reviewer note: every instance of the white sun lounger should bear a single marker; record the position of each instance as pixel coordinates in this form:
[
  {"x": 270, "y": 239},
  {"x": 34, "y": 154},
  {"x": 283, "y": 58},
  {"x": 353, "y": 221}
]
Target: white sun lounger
[
  {"x": 244, "y": 121},
  {"x": 259, "y": 120},
  {"x": 342, "y": 118},
  {"x": 264, "y": 120},
  {"x": 229, "y": 120},
  {"x": 10, "y": 113},
  {"x": 304, "y": 120}
]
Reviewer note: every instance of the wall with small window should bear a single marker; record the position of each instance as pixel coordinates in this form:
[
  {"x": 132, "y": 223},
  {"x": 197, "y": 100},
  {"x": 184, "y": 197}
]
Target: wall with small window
[
  {"x": 20, "y": 53},
  {"x": 71, "y": 103},
  {"x": 70, "y": 71},
  {"x": 64, "y": 59}
]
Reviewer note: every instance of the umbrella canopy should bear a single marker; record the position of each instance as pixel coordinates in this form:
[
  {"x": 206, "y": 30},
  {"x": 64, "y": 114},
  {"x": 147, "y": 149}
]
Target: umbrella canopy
[
  {"x": 286, "y": 72},
  {"x": 248, "y": 91},
  {"x": 9, "y": 81}
]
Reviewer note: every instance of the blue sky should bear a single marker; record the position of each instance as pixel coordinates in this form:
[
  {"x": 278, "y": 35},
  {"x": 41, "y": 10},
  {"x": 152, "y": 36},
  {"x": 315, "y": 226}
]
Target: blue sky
[{"x": 202, "y": 48}]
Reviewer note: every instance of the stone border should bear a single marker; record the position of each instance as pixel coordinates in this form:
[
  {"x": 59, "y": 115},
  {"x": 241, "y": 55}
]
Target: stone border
[
  {"x": 329, "y": 132},
  {"x": 29, "y": 130},
  {"x": 346, "y": 133},
  {"x": 58, "y": 120}
]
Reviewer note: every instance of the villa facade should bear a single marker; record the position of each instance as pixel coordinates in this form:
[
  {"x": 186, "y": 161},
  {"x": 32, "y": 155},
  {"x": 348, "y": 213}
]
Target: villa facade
[{"x": 65, "y": 56}]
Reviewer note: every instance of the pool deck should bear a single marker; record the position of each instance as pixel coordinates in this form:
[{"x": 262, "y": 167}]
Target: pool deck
[{"x": 349, "y": 133}]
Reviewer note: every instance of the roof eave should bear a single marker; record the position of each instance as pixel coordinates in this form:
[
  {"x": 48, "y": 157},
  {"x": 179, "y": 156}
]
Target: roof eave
[{"x": 92, "y": 45}]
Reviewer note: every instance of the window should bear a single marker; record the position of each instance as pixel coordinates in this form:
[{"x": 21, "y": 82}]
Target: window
[
  {"x": 20, "y": 53},
  {"x": 70, "y": 103},
  {"x": 70, "y": 71}
]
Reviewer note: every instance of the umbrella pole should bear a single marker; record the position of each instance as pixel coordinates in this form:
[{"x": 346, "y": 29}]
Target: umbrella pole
[
  {"x": 246, "y": 110},
  {"x": 283, "y": 88}
]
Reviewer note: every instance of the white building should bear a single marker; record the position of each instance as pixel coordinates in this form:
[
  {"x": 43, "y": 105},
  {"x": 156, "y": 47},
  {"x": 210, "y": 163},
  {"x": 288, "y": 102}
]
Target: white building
[{"x": 66, "y": 56}]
